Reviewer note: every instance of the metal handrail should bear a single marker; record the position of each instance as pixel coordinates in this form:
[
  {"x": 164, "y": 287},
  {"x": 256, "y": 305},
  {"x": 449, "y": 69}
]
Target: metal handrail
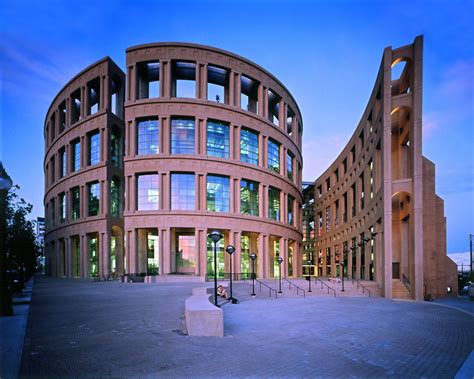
[
  {"x": 406, "y": 282},
  {"x": 324, "y": 284},
  {"x": 298, "y": 289},
  {"x": 269, "y": 288},
  {"x": 364, "y": 288}
]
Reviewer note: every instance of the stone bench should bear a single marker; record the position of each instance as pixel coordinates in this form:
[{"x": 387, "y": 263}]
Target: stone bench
[{"x": 202, "y": 317}]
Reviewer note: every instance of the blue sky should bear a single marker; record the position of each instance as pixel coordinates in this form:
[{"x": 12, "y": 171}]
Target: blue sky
[{"x": 327, "y": 53}]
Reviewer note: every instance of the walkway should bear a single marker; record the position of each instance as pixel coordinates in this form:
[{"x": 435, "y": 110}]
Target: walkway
[{"x": 119, "y": 329}]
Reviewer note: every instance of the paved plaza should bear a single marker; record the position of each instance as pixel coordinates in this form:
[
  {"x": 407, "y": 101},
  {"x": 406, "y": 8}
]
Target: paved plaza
[{"x": 82, "y": 328}]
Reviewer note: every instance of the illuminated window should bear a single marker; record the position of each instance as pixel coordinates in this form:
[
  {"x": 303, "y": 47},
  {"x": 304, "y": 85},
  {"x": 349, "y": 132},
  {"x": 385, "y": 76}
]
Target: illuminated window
[
  {"x": 62, "y": 207},
  {"x": 62, "y": 162}
]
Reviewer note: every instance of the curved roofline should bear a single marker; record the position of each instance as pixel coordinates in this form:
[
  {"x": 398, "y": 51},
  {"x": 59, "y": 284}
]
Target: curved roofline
[
  {"x": 82, "y": 72},
  {"x": 218, "y": 50}
]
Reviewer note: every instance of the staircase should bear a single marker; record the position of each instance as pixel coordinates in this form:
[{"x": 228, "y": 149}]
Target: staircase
[{"x": 399, "y": 291}]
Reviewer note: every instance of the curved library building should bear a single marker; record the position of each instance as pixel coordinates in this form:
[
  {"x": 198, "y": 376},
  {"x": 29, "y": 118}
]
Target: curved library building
[{"x": 141, "y": 166}]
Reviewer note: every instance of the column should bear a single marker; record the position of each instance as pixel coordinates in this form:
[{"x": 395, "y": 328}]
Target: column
[
  {"x": 238, "y": 89},
  {"x": 165, "y": 251},
  {"x": 201, "y": 244},
  {"x": 69, "y": 265},
  {"x": 236, "y": 145},
  {"x": 105, "y": 253},
  {"x": 237, "y": 263},
  {"x": 84, "y": 252},
  {"x": 237, "y": 196},
  {"x": 281, "y": 115}
]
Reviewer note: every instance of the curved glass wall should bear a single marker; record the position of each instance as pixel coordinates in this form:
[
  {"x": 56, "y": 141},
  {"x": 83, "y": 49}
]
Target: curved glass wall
[
  {"x": 249, "y": 197},
  {"x": 217, "y": 139},
  {"x": 248, "y": 146},
  {"x": 182, "y": 136},
  {"x": 183, "y": 192},
  {"x": 273, "y": 156}
]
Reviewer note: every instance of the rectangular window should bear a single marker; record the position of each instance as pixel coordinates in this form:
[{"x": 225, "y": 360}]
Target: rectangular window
[
  {"x": 289, "y": 166},
  {"x": 185, "y": 252},
  {"x": 291, "y": 218},
  {"x": 182, "y": 136},
  {"x": 183, "y": 79},
  {"x": 217, "y": 139},
  {"x": 248, "y": 197},
  {"x": 94, "y": 148},
  {"x": 148, "y": 192},
  {"x": 62, "y": 162},
  {"x": 115, "y": 199},
  {"x": 218, "y": 193},
  {"x": 94, "y": 198},
  {"x": 62, "y": 207},
  {"x": 75, "y": 204},
  {"x": 328, "y": 219},
  {"x": 148, "y": 137},
  {"x": 115, "y": 148},
  {"x": 76, "y": 155},
  {"x": 248, "y": 146},
  {"x": 183, "y": 192},
  {"x": 273, "y": 156},
  {"x": 274, "y": 203}
]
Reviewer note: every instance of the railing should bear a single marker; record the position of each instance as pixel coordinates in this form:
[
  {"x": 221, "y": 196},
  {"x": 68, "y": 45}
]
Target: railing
[
  {"x": 364, "y": 288},
  {"x": 270, "y": 289},
  {"x": 324, "y": 284},
  {"x": 406, "y": 282},
  {"x": 298, "y": 289},
  {"x": 235, "y": 276}
]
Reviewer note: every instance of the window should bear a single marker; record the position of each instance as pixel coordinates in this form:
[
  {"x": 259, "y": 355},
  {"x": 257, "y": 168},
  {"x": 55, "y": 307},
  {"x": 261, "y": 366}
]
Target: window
[
  {"x": 273, "y": 156},
  {"x": 290, "y": 116},
  {"x": 291, "y": 217},
  {"x": 94, "y": 198},
  {"x": 148, "y": 192},
  {"x": 148, "y": 80},
  {"x": 328, "y": 184},
  {"x": 76, "y": 106},
  {"x": 217, "y": 84},
  {"x": 182, "y": 192},
  {"x": 76, "y": 155},
  {"x": 148, "y": 137},
  {"x": 217, "y": 139},
  {"x": 249, "y": 94},
  {"x": 76, "y": 204},
  {"x": 274, "y": 203},
  {"x": 62, "y": 162},
  {"x": 328, "y": 219},
  {"x": 62, "y": 207},
  {"x": 182, "y": 136},
  {"x": 185, "y": 252},
  {"x": 115, "y": 147},
  {"x": 183, "y": 79},
  {"x": 115, "y": 208},
  {"x": 273, "y": 108},
  {"x": 289, "y": 166},
  {"x": 248, "y": 146},
  {"x": 94, "y": 148},
  {"x": 93, "y": 93},
  {"x": 248, "y": 197},
  {"x": 62, "y": 116},
  {"x": 218, "y": 193}
]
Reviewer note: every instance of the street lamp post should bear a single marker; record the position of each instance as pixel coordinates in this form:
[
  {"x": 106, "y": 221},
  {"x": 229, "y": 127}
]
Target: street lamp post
[
  {"x": 230, "y": 250},
  {"x": 253, "y": 256},
  {"x": 309, "y": 275},
  {"x": 280, "y": 260},
  {"x": 343, "y": 264},
  {"x": 215, "y": 237},
  {"x": 6, "y": 295}
]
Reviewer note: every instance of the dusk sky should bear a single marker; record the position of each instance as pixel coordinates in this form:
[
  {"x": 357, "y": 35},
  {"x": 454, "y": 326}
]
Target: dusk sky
[{"x": 327, "y": 53}]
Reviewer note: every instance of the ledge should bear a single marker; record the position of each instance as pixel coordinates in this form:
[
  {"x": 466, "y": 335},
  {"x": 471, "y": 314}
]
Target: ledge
[{"x": 203, "y": 319}]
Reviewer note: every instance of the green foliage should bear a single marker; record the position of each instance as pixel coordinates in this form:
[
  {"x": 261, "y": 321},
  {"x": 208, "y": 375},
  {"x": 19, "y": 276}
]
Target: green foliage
[{"x": 152, "y": 269}]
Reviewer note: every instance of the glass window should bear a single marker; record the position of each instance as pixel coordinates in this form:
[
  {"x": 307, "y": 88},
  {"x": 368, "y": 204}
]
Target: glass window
[
  {"x": 219, "y": 258},
  {"x": 248, "y": 197},
  {"x": 289, "y": 166},
  {"x": 217, "y": 139},
  {"x": 248, "y": 146},
  {"x": 148, "y": 192},
  {"x": 186, "y": 253},
  {"x": 62, "y": 207},
  {"x": 291, "y": 199},
  {"x": 94, "y": 148},
  {"x": 62, "y": 162},
  {"x": 94, "y": 256},
  {"x": 182, "y": 136},
  {"x": 115, "y": 207},
  {"x": 273, "y": 156},
  {"x": 76, "y": 203},
  {"x": 218, "y": 193},
  {"x": 94, "y": 198},
  {"x": 76, "y": 155},
  {"x": 274, "y": 203},
  {"x": 148, "y": 137},
  {"x": 182, "y": 192},
  {"x": 115, "y": 148}
]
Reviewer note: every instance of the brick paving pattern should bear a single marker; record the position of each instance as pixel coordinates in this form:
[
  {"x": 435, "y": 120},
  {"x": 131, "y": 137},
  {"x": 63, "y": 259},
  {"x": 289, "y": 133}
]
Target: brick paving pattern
[{"x": 80, "y": 328}]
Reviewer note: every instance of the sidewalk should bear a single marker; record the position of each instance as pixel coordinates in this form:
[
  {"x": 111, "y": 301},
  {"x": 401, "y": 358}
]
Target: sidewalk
[{"x": 12, "y": 334}]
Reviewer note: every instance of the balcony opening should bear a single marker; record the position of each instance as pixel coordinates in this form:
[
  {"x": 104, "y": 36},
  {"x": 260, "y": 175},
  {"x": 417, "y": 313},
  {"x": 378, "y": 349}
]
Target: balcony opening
[
  {"x": 217, "y": 84},
  {"x": 273, "y": 107},
  {"x": 76, "y": 106},
  {"x": 116, "y": 97},
  {"x": 248, "y": 94},
  {"x": 183, "y": 83},
  {"x": 93, "y": 93},
  {"x": 62, "y": 116},
  {"x": 290, "y": 116},
  {"x": 148, "y": 80},
  {"x": 53, "y": 127},
  {"x": 401, "y": 77}
]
